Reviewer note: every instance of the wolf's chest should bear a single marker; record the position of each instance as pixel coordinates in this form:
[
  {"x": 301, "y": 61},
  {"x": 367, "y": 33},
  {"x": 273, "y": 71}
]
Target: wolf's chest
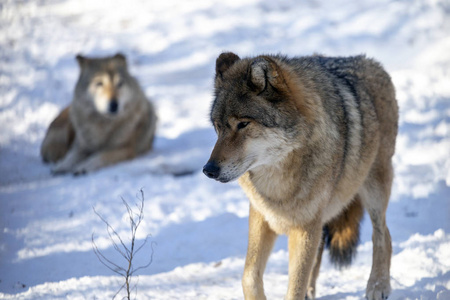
[
  {"x": 93, "y": 135},
  {"x": 281, "y": 201}
]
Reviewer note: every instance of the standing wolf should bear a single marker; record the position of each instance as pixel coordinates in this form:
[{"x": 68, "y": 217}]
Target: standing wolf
[
  {"x": 311, "y": 140},
  {"x": 109, "y": 119}
]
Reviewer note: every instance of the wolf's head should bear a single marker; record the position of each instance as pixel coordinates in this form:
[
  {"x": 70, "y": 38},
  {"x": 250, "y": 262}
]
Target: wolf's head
[
  {"x": 258, "y": 114},
  {"x": 106, "y": 83}
]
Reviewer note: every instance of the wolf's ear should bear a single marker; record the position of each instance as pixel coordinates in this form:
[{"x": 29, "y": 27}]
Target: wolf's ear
[
  {"x": 82, "y": 61},
  {"x": 224, "y": 62},
  {"x": 262, "y": 71},
  {"x": 120, "y": 59}
]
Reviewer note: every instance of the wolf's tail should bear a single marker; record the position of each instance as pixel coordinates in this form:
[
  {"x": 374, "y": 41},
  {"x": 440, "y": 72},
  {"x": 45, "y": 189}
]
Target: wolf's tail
[{"x": 341, "y": 235}]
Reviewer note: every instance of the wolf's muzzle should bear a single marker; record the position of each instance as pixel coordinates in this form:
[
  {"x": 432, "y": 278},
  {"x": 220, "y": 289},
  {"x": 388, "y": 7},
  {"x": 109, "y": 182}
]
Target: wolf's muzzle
[
  {"x": 113, "y": 106},
  {"x": 211, "y": 169}
]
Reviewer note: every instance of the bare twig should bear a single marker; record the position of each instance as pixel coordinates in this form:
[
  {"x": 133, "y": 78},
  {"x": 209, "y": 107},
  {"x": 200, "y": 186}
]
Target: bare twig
[{"x": 128, "y": 252}]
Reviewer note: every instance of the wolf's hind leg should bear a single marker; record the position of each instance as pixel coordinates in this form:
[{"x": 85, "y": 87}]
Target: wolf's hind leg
[
  {"x": 58, "y": 139},
  {"x": 375, "y": 196}
]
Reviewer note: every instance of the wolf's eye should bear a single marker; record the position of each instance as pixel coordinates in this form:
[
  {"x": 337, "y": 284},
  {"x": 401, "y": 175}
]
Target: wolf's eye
[
  {"x": 119, "y": 83},
  {"x": 241, "y": 125},
  {"x": 99, "y": 84}
]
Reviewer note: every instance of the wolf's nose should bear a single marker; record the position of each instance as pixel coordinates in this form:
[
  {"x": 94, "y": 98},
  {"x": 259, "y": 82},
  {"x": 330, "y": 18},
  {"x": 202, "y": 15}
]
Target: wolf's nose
[
  {"x": 211, "y": 169},
  {"x": 113, "y": 106}
]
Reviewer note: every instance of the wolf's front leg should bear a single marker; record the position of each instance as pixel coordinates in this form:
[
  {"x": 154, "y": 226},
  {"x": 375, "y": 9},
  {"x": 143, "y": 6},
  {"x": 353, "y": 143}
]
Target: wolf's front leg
[
  {"x": 303, "y": 245},
  {"x": 103, "y": 159},
  {"x": 72, "y": 158},
  {"x": 311, "y": 293},
  {"x": 260, "y": 242}
]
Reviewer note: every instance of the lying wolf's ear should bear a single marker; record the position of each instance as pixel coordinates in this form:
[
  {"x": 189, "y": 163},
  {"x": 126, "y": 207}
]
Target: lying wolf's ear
[
  {"x": 261, "y": 72},
  {"x": 120, "y": 59},
  {"x": 82, "y": 61},
  {"x": 224, "y": 62}
]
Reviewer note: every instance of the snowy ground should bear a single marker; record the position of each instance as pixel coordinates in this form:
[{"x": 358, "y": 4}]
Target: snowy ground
[{"x": 200, "y": 226}]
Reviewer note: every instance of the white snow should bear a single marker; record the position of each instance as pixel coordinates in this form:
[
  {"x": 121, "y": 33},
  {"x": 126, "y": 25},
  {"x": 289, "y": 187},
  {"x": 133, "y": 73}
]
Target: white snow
[{"x": 200, "y": 226}]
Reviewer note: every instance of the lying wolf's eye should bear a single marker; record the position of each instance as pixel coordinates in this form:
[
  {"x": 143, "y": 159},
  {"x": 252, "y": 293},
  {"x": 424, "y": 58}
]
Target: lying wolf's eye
[
  {"x": 241, "y": 125},
  {"x": 119, "y": 83},
  {"x": 99, "y": 84}
]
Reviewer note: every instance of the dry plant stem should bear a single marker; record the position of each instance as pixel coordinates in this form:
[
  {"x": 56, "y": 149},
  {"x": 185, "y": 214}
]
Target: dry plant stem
[{"x": 128, "y": 253}]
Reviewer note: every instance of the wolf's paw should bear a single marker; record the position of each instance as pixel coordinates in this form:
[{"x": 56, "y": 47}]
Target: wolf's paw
[
  {"x": 310, "y": 294},
  {"x": 86, "y": 166},
  {"x": 378, "y": 289},
  {"x": 59, "y": 169},
  {"x": 80, "y": 170}
]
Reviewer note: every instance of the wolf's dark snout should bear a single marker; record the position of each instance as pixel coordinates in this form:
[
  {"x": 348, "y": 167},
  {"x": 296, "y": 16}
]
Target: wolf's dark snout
[
  {"x": 211, "y": 169},
  {"x": 113, "y": 106}
]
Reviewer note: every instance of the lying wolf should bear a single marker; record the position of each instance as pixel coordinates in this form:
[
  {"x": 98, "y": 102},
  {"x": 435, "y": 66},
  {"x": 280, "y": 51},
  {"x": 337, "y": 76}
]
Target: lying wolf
[
  {"x": 109, "y": 120},
  {"x": 311, "y": 140}
]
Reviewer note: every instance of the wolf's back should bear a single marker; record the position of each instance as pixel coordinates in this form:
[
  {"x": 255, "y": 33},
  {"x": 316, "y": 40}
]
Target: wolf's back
[{"x": 368, "y": 82}]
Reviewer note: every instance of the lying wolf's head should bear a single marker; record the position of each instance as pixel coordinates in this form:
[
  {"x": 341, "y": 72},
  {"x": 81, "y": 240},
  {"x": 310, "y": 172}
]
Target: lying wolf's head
[
  {"x": 257, "y": 114},
  {"x": 104, "y": 82}
]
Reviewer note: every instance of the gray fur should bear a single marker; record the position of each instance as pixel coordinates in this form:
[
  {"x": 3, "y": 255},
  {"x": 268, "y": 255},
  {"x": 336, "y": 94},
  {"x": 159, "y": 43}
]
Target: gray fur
[
  {"x": 306, "y": 136},
  {"x": 102, "y": 135}
]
